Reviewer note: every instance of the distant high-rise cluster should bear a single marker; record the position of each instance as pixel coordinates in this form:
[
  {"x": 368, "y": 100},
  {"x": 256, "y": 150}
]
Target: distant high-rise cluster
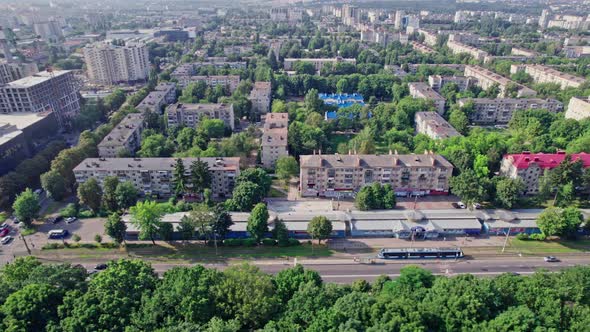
[{"x": 110, "y": 64}]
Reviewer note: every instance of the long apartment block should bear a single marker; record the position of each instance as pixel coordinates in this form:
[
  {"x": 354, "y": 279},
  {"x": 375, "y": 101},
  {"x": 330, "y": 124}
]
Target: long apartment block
[
  {"x": 190, "y": 115},
  {"x": 228, "y": 81},
  {"x": 434, "y": 126},
  {"x": 274, "y": 138},
  {"x": 458, "y": 47},
  {"x": 544, "y": 74},
  {"x": 317, "y": 62},
  {"x": 578, "y": 108},
  {"x": 124, "y": 139},
  {"x": 163, "y": 94},
  {"x": 424, "y": 91},
  {"x": 500, "y": 110},
  {"x": 487, "y": 78},
  {"x": 436, "y": 82},
  {"x": 153, "y": 176},
  {"x": 343, "y": 175}
]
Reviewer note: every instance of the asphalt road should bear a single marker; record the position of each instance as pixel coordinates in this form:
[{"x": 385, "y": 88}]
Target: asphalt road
[{"x": 340, "y": 271}]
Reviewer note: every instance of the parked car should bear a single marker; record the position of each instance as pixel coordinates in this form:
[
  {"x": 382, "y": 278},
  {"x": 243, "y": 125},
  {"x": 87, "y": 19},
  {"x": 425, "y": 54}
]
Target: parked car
[
  {"x": 455, "y": 205},
  {"x": 550, "y": 259},
  {"x": 55, "y": 220},
  {"x": 71, "y": 220},
  {"x": 462, "y": 205},
  {"x": 6, "y": 239},
  {"x": 4, "y": 232},
  {"x": 3, "y": 226},
  {"x": 477, "y": 206},
  {"x": 101, "y": 266}
]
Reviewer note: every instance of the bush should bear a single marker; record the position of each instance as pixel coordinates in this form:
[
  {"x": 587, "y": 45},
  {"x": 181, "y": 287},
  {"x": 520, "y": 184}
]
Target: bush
[
  {"x": 522, "y": 236},
  {"x": 294, "y": 242},
  {"x": 538, "y": 237},
  {"x": 52, "y": 245},
  {"x": 249, "y": 242},
  {"x": 98, "y": 238},
  {"x": 233, "y": 242},
  {"x": 76, "y": 238},
  {"x": 69, "y": 211},
  {"x": 86, "y": 214},
  {"x": 109, "y": 245},
  {"x": 269, "y": 242},
  {"x": 88, "y": 245}
]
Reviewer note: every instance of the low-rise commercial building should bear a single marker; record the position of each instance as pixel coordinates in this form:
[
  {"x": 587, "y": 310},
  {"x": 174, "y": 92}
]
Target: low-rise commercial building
[
  {"x": 124, "y": 139},
  {"x": 153, "y": 176},
  {"x": 578, "y": 108},
  {"x": 163, "y": 94},
  {"x": 274, "y": 138},
  {"x": 434, "y": 126},
  {"x": 190, "y": 115},
  {"x": 423, "y": 91},
  {"x": 487, "y": 78},
  {"x": 544, "y": 74},
  {"x": 436, "y": 82},
  {"x": 529, "y": 167},
  {"x": 317, "y": 63},
  {"x": 260, "y": 97},
  {"x": 457, "y": 48},
  {"x": 500, "y": 110},
  {"x": 344, "y": 175}
]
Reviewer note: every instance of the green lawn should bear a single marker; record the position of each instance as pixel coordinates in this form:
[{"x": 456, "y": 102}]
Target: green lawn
[
  {"x": 275, "y": 193},
  {"x": 337, "y": 139},
  {"x": 546, "y": 247},
  {"x": 3, "y": 216}
]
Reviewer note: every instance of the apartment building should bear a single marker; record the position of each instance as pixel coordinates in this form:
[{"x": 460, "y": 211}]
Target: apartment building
[
  {"x": 423, "y": 91},
  {"x": 422, "y": 48},
  {"x": 12, "y": 71},
  {"x": 487, "y": 78},
  {"x": 578, "y": 108},
  {"x": 436, "y": 82},
  {"x": 230, "y": 82},
  {"x": 544, "y": 74},
  {"x": 343, "y": 175},
  {"x": 49, "y": 31},
  {"x": 317, "y": 63},
  {"x": 153, "y": 176},
  {"x": 260, "y": 97},
  {"x": 274, "y": 138},
  {"x": 529, "y": 167},
  {"x": 124, "y": 139},
  {"x": 434, "y": 126},
  {"x": 430, "y": 37},
  {"x": 458, "y": 47},
  {"x": 163, "y": 94},
  {"x": 55, "y": 91},
  {"x": 191, "y": 114},
  {"x": 110, "y": 64},
  {"x": 500, "y": 110}
]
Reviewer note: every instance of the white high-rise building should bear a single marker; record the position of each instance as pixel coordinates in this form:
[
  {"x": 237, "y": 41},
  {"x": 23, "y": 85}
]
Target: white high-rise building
[
  {"x": 110, "y": 64},
  {"x": 49, "y": 31},
  {"x": 399, "y": 17}
]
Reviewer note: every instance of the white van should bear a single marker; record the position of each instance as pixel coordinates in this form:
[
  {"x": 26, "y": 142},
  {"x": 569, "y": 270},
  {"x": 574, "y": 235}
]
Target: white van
[{"x": 57, "y": 233}]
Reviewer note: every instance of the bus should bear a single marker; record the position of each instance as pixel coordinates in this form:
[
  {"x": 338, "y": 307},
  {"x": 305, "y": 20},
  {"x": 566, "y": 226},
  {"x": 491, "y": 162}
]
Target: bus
[{"x": 425, "y": 253}]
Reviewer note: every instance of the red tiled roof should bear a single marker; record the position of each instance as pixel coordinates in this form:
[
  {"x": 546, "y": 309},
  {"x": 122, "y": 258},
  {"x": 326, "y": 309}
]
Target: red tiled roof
[{"x": 545, "y": 160}]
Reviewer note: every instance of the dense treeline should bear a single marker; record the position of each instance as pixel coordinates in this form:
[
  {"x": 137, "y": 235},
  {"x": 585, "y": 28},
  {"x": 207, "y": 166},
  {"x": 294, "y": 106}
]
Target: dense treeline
[{"x": 128, "y": 296}]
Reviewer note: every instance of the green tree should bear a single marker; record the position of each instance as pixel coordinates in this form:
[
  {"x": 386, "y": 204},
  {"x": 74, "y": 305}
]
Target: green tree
[
  {"x": 126, "y": 194},
  {"x": 147, "y": 217},
  {"x": 559, "y": 222},
  {"x": 200, "y": 176},
  {"x": 469, "y": 187},
  {"x": 459, "y": 121},
  {"x": 304, "y": 67},
  {"x": 244, "y": 196},
  {"x": 26, "y": 206},
  {"x": 222, "y": 222},
  {"x": 280, "y": 232},
  {"x": 115, "y": 228},
  {"x": 186, "y": 228},
  {"x": 259, "y": 177},
  {"x": 288, "y": 281},
  {"x": 109, "y": 196},
  {"x": 53, "y": 183},
  {"x": 286, "y": 167},
  {"x": 90, "y": 194},
  {"x": 31, "y": 308},
  {"x": 508, "y": 191},
  {"x": 258, "y": 222},
  {"x": 165, "y": 231},
  {"x": 480, "y": 166},
  {"x": 313, "y": 101},
  {"x": 319, "y": 228},
  {"x": 179, "y": 177},
  {"x": 212, "y": 128}
]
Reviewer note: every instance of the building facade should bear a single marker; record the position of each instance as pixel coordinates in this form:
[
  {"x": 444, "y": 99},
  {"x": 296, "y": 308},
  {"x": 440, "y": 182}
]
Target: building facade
[
  {"x": 544, "y": 74},
  {"x": 578, "y": 108},
  {"x": 457, "y": 48},
  {"x": 12, "y": 71},
  {"x": 436, "y": 82},
  {"x": 190, "y": 115},
  {"x": 55, "y": 91},
  {"x": 529, "y": 167},
  {"x": 274, "y": 138},
  {"x": 434, "y": 126},
  {"x": 153, "y": 176},
  {"x": 49, "y": 31},
  {"x": 423, "y": 91},
  {"x": 487, "y": 78},
  {"x": 163, "y": 94},
  {"x": 344, "y": 175},
  {"x": 124, "y": 139},
  {"x": 260, "y": 96},
  {"x": 317, "y": 63},
  {"x": 500, "y": 110},
  {"x": 230, "y": 82},
  {"x": 109, "y": 64}
]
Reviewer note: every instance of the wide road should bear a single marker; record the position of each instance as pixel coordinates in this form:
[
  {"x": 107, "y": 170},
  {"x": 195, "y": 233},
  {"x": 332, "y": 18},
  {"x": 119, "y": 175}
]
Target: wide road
[{"x": 345, "y": 271}]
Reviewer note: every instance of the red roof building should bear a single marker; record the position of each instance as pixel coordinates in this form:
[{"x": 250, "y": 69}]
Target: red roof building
[{"x": 529, "y": 167}]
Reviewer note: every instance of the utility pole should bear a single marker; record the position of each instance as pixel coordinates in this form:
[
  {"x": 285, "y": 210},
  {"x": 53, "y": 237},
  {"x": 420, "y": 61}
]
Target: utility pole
[
  {"x": 25, "y": 241},
  {"x": 506, "y": 240}
]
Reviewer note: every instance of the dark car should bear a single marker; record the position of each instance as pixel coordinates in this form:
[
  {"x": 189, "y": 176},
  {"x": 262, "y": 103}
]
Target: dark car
[
  {"x": 101, "y": 266},
  {"x": 455, "y": 205}
]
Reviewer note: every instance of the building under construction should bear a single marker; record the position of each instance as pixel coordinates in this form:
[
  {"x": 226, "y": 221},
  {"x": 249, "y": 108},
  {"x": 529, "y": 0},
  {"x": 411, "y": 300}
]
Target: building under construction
[{"x": 53, "y": 91}]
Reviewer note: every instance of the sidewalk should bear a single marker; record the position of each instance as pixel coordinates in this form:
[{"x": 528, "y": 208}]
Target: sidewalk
[{"x": 378, "y": 243}]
